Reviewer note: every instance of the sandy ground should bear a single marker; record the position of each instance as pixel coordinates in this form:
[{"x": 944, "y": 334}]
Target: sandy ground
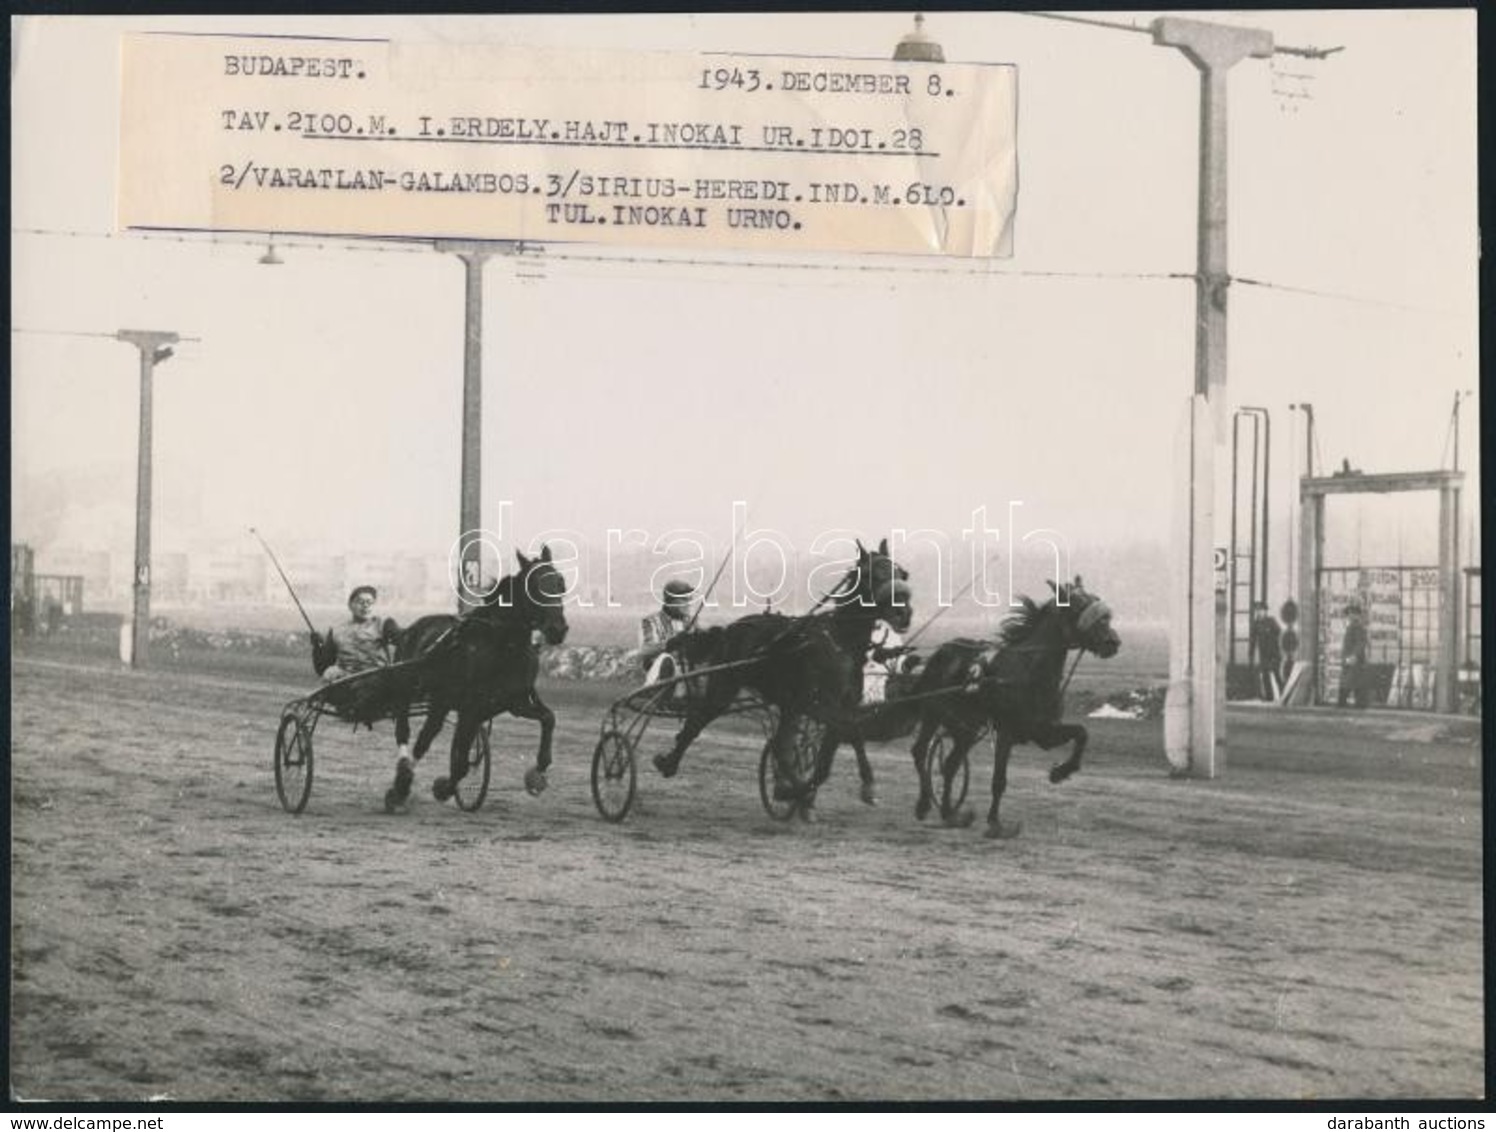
[{"x": 1306, "y": 926}]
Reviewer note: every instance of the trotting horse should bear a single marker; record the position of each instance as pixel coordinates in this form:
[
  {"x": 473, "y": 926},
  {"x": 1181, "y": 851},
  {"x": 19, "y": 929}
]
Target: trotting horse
[
  {"x": 1016, "y": 688},
  {"x": 483, "y": 664},
  {"x": 807, "y": 667}
]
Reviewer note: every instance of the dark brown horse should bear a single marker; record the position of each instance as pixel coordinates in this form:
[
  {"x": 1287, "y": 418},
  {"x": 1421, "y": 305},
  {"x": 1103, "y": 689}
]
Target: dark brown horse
[
  {"x": 806, "y": 668},
  {"x": 483, "y": 664},
  {"x": 1015, "y": 687}
]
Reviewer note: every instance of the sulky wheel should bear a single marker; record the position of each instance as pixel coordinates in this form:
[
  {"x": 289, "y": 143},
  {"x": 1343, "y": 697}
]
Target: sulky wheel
[
  {"x": 946, "y": 778},
  {"x": 614, "y": 775},
  {"x": 472, "y": 787},
  {"x": 805, "y": 746},
  {"x": 293, "y": 763}
]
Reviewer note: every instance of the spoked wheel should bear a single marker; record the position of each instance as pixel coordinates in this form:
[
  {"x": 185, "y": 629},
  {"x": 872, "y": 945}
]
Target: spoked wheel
[
  {"x": 946, "y": 780},
  {"x": 472, "y": 787},
  {"x": 614, "y": 775},
  {"x": 805, "y": 745},
  {"x": 293, "y": 762}
]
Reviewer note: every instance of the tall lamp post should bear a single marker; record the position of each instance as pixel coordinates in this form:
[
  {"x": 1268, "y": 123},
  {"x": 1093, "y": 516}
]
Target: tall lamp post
[
  {"x": 1214, "y": 49},
  {"x": 474, "y": 255},
  {"x": 155, "y": 347}
]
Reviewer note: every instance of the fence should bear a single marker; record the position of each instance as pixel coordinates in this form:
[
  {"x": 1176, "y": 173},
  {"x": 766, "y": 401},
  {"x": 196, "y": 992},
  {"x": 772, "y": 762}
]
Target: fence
[{"x": 1401, "y": 607}]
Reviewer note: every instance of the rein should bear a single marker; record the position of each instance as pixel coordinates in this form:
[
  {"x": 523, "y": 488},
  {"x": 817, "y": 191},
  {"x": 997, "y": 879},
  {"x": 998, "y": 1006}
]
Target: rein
[
  {"x": 1074, "y": 664},
  {"x": 938, "y": 614}
]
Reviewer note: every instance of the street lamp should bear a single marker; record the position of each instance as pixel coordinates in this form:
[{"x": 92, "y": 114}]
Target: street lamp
[
  {"x": 155, "y": 348},
  {"x": 1308, "y": 435},
  {"x": 1200, "y": 699},
  {"x": 917, "y": 47}
]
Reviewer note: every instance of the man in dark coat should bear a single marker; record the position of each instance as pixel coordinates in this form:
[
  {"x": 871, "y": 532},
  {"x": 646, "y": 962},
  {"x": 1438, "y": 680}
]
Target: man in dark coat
[
  {"x": 1353, "y": 657},
  {"x": 1265, "y": 635}
]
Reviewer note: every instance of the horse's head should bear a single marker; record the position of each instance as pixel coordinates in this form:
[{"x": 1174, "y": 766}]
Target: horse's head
[
  {"x": 1087, "y": 619},
  {"x": 878, "y": 585},
  {"x": 537, "y": 594}
]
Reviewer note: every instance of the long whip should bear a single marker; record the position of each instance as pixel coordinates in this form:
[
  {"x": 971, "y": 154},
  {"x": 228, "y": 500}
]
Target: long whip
[
  {"x": 717, "y": 577},
  {"x": 284, "y": 579}
]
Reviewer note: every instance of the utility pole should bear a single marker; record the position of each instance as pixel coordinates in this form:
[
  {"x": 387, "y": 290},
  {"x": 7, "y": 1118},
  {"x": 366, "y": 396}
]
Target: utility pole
[
  {"x": 1214, "y": 49},
  {"x": 1194, "y": 713},
  {"x": 474, "y": 255},
  {"x": 155, "y": 348}
]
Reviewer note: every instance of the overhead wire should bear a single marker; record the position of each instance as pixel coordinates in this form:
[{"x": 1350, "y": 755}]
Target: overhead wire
[{"x": 537, "y": 256}]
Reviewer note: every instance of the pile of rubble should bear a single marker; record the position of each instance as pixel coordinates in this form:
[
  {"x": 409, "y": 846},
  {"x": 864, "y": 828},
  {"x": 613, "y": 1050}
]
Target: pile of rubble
[
  {"x": 1139, "y": 703},
  {"x": 589, "y": 662}
]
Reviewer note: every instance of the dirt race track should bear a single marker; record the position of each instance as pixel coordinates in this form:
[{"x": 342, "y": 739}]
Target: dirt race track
[{"x": 1306, "y": 926}]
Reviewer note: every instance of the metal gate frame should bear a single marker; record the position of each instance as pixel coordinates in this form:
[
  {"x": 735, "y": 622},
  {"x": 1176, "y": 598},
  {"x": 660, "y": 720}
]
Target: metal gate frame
[
  {"x": 1313, "y": 493},
  {"x": 1407, "y": 657}
]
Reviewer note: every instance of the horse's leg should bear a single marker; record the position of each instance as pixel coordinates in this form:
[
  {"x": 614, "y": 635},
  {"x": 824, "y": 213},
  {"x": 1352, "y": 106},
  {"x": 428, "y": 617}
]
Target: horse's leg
[
  {"x": 436, "y": 715},
  {"x": 1002, "y": 748},
  {"x": 468, "y": 722},
  {"x": 402, "y": 731},
  {"x": 786, "y": 786},
  {"x": 1052, "y": 736},
  {"x": 867, "y": 792},
  {"x": 919, "y": 752},
  {"x": 534, "y": 709},
  {"x": 831, "y": 741},
  {"x": 398, "y": 794},
  {"x": 719, "y": 697}
]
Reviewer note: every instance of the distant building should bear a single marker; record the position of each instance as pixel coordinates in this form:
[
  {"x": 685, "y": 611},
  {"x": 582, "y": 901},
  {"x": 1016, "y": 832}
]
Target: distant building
[
  {"x": 95, "y": 567},
  {"x": 171, "y": 576},
  {"x": 230, "y": 577}
]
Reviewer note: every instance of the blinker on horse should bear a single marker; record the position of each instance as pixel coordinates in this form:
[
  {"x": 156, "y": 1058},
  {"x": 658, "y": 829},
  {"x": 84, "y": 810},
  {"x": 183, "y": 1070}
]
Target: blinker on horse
[{"x": 484, "y": 664}]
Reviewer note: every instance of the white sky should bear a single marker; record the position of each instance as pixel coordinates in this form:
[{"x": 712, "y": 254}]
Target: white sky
[{"x": 323, "y": 398}]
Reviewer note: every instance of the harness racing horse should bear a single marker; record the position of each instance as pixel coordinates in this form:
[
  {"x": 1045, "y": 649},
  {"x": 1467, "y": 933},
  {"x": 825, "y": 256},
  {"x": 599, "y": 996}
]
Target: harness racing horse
[
  {"x": 483, "y": 664},
  {"x": 808, "y": 668},
  {"x": 1016, "y": 684}
]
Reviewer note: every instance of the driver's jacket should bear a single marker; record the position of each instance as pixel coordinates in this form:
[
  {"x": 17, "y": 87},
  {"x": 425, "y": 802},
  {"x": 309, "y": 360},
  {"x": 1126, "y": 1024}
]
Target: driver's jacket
[
  {"x": 655, "y": 630},
  {"x": 359, "y": 645}
]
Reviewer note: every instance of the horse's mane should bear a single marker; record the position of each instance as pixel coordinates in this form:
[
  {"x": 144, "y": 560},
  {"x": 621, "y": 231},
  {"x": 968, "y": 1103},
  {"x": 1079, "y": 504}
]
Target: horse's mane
[
  {"x": 500, "y": 604},
  {"x": 1021, "y": 625}
]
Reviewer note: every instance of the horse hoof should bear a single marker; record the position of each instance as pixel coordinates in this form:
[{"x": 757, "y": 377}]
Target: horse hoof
[
  {"x": 535, "y": 782},
  {"x": 441, "y": 789},
  {"x": 922, "y": 809},
  {"x": 868, "y": 795},
  {"x": 997, "y": 831},
  {"x": 808, "y": 814},
  {"x": 666, "y": 768},
  {"x": 960, "y": 820},
  {"x": 395, "y": 803},
  {"x": 1059, "y": 772}
]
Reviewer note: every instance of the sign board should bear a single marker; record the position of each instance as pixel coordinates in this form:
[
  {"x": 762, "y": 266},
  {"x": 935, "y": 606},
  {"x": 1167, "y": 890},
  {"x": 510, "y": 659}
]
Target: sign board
[
  {"x": 1382, "y": 594},
  {"x": 1221, "y": 559},
  {"x": 461, "y": 141}
]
